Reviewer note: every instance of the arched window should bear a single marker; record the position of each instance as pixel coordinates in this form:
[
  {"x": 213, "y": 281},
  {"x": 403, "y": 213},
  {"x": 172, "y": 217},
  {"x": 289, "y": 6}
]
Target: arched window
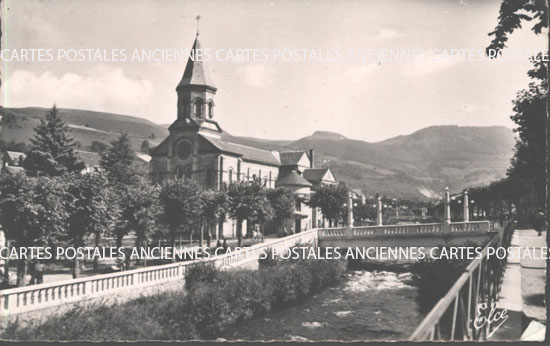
[
  {"x": 230, "y": 176},
  {"x": 210, "y": 109},
  {"x": 198, "y": 108}
]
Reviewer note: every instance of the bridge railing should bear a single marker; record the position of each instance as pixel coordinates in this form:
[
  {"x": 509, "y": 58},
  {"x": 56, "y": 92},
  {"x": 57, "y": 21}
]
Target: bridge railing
[
  {"x": 19, "y": 300},
  {"x": 452, "y": 318},
  {"x": 409, "y": 229}
]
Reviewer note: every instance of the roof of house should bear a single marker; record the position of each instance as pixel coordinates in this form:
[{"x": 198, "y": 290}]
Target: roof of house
[
  {"x": 196, "y": 72},
  {"x": 14, "y": 155},
  {"x": 15, "y": 169},
  {"x": 315, "y": 174},
  {"x": 291, "y": 157},
  {"x": 292, "y": 179},
  {"x": 91, "y": 159},
  {"x": 245, "y": 152},
  {"x": 143, "y": 157}
]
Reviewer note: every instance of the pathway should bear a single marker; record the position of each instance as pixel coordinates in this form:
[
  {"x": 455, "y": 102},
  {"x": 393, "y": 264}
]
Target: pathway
[{"x": 522, "y": 292}]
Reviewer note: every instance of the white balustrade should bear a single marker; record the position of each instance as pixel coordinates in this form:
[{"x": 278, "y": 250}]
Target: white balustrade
[
  {"x": 400, "y": 230},
  {"x": 14, "y": 301}
]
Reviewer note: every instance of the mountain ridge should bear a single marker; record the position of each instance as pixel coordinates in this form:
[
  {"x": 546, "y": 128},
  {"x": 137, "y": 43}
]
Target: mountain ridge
[{"x": 417, "y": 165}]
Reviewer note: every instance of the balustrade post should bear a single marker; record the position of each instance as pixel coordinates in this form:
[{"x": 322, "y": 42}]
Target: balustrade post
[
  {"x": 350, "y": 212},
  {"x": 379, "y": 212},
  {"x": 447, "y": 207},
  {"x": 466, "y": 207}
]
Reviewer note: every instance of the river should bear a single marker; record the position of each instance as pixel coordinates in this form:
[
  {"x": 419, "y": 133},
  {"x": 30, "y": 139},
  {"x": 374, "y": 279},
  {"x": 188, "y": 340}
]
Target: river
[{"x": 367, "y": 306}]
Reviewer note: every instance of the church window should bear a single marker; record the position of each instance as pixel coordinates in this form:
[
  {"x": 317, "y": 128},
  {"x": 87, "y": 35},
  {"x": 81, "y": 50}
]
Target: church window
[
  {"x": 230, "y": 176},
  {"x": 198, "y": 108},
  {"x": 254, "y": 177},
  {"x": 265, "y": 182},
  {"x": 184, "y": 149},
  {"x": 210, "y": 109}
]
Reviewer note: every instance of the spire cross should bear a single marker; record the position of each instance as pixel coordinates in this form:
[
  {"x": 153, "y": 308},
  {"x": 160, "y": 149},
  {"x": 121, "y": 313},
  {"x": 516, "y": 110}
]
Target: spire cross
[{"x": 198, "y": 17}]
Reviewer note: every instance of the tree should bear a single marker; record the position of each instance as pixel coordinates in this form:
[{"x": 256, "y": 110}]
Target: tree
[
  {"x": 247, "y": 201},
  {"x": 214, "y": 206},
  {"x": 283, "y": 202},
  {"x": 90, "y": 210},
  {"x": 512, "y": 14},
  {"x": 98, "y": 146},
  {"x": 32, "y": 211},
  {"x": 362, "y": 212},
  {"x": 139, "y": 211},
  {"x": 181, "y": 205},
  {"x": 145, "y": 147},
  {"x": 331, "y": 199},
  {"x": 118, "y": 159},
  {"x": 52, "y": 150}
]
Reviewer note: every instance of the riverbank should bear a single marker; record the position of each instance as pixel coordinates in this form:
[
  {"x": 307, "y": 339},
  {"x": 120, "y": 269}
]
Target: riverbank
[
  {"x": 211, "y": 302},
  {"x": 366, "y": 306}
]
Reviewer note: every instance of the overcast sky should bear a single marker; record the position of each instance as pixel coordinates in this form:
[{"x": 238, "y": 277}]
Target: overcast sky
[{"x": 278, "y": 100}]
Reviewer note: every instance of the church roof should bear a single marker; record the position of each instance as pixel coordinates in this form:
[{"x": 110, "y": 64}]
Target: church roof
[
  {"x": 291, "y": 157},
  {"x": 245, "y": 152},
  {"x": 292, "y": 179},
  {"x": 196, "y": 72}
]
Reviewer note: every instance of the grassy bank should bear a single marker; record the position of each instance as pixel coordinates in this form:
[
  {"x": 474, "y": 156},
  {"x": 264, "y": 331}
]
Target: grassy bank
[{"x": 212, "y": 301}]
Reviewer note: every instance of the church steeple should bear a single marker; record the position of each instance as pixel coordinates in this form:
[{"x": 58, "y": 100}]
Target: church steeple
[{"x": 196, "y": 90}]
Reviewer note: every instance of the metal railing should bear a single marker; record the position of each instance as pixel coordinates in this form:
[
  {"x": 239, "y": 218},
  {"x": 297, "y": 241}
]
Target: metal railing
[{"x": 452, "y": 318}]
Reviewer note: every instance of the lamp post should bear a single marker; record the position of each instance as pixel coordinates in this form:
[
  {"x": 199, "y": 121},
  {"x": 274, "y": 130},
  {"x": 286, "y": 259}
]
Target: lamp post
[{"x": 379, "y": 212}]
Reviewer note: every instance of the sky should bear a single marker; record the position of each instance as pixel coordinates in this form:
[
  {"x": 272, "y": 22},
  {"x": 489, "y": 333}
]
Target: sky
[{"x": 272, "y": 99}]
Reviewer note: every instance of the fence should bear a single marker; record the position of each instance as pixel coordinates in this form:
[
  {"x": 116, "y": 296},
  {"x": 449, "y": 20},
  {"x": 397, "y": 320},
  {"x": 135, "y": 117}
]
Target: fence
[
  {"x": 411, "y": 229},
  {"x": 452, "y": 318},
  {"x": 19, "y": 300}
]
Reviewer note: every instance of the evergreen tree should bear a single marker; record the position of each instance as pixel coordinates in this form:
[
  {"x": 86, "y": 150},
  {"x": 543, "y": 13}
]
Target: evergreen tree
[
  {"x": 52, "y": 150},
  {"x": 118, "y": 159}
]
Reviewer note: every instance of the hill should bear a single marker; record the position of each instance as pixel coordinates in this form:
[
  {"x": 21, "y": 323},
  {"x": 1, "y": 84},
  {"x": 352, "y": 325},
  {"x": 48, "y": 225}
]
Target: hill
[
  {"x": 417, "y": 165},
  {"x": 86, "y": 126}
]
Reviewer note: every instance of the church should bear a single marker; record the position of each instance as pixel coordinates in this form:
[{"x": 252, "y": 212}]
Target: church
[{"x": 195, "y": 150}]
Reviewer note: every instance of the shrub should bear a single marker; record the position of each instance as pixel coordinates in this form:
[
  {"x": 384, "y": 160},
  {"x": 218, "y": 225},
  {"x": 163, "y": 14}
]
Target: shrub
[
  {"x": 213, "y": 301},
  {"x": 200, "y": 272},
  {"x": 208, "y": 310},
  {"x": 268, "y": 259}
]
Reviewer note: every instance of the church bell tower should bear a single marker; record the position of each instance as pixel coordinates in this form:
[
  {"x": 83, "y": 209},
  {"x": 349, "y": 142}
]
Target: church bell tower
[{"x": 196, "y": 90}]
